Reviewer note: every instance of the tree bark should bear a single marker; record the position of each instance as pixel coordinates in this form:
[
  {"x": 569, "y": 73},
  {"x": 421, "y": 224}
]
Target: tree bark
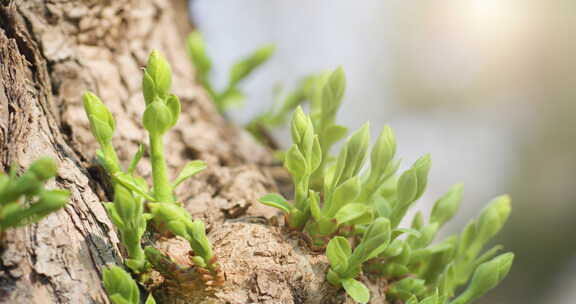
[{"x": 51, "y": 52}]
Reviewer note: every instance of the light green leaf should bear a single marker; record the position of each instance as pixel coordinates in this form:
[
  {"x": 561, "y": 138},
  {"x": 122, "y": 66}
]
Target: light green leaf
[
  {"x": 199, "y": 242},
  {"x": 95, "y": 107},
  {"x": 407, "y": 188},
  {"x": 374, "y": 241},
  {"x": 382, "y": 152},
  {"x": 125, "y": 204},
  {"x": 295, "y": 162},
  {"x": 120, "y": 286},
  {"x": 100, "y": 130},
  {"x": 407, "y": 231},
  {"x": 422, "y": 168},
  {"x": 314, "y": 205},
  {"x": 136, "y": 159},
  {"x": 332, "y": 93},
  {"x": 173, "y": 104},
  {"x": 351, "y": 212},
  {"x": 338, "y": 252},
  {"x": 276, "y": 201},
  {"x": 127, "y": 181},
  {"x": 159, "y": 70},
  {"x": 333, "y": 134},
  {"x": 148, "y": 88},
  {"x": 247, "y": 65},
  {"x": 493, "y": 218},
  {"x": 150, "y": 299},
  {"x": 486, "y": 277},
  {"x": 417, "y": 221},
  {"x": 197, "y": 52},
  {"x": 158, "y": 117},
  {"x": 192, "y": 168},
  {"x": 344, "y": 194},
  {"x": 446, "y": 207},
  {"x": 316, "y": 155},
  {"x": 356, "y": 290},
  {"x": 299, "y": 125},
  {"x": 230, "y": 98},
  {"x": 357, "y": 150}
]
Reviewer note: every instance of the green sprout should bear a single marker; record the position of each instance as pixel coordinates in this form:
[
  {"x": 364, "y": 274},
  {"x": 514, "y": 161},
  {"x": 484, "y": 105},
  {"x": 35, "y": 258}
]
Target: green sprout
[
  {"x": 127, "y": 210},
  {"x": 232, "y": 94},
  {"x": 336, "y": 200},
  {"x": 121, "y": 288},
  {"x": 178, "y": 221},
  {"x": 327, "y": 92},
  {"x": 131, "y": 192},
  {"x": 301, "y": 160},
  {"x": 345, "y": 265},
  {"x": 24, "y": 200}
]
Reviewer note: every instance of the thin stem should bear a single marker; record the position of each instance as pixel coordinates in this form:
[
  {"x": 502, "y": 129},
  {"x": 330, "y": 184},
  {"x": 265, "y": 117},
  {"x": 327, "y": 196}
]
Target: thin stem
[{"x": 162, "y": 186}]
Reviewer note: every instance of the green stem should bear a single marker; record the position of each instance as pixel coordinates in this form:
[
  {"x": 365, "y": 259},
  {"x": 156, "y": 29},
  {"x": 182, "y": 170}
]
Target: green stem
[
  {"x": 162, "y": 186},
  {"x": 135, "y": 251},
  {"x": 112, "y": 163}
]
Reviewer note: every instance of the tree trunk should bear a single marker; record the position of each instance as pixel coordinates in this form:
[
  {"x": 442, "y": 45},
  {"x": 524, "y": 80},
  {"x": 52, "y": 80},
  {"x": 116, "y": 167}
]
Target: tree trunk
[{"x": 51, "y": 52}]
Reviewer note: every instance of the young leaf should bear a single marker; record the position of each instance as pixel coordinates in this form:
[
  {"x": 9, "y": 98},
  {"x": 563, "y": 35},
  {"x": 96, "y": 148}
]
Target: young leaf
[
  {"x": 128, "y": 182},
  {"x": 382, "y": 152},
  {"x": 407, "y": 188},
  {"x": 344, "y": 194},
  {"x": 190, "y": 169},
  {"x": 160, "y": 72},
  {"x": 315, "y": 206},
  {"x": 173, "y": 103},
  {"x": 493, "y": 218},
  {"x": 374, "y": 241},
  {"x": 276, "y": 201},
  {"x": 43, "y": 168},
  {"x": 148, "y": 88},
  {"x": 199, "y": 241},
  {"x": 351, "y": 212},
  {"x": 120, "y": 286},
  {"x": 197, "y": 52},
  {"x": 150, "y": 299},
  {"x": 102, "y": 123},
  {"x": 422, "y": 168},
  {"x": 445, "y": 208},
  {"x": 136, "y": 159},
  {"x": 332, "y": 93},
  {"x": 158, "y": 118},
  {"x": 486, "y": 277},
  {"x": 338, "y": 252},
  {"x": 295, "y": 162},
  {"x": 356, "y": 290},
  {"x": 245, "y": 67}
]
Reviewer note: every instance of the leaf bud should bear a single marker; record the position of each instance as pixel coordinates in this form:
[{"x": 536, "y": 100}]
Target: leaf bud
[
  {"x": 160, "y": 72},
  {"x": 101, "y": 120},
  {"x": 158, "y": 117},
  {"x": 447, "y": 206}
]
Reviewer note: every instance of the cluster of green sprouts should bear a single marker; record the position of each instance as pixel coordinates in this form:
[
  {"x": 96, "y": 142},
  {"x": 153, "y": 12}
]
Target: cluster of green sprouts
[
  {"x": 284, "y": 104},
  {"x": 231, "y": 95},
  {"x": 337, "y": 203},
  {"x": 24, "y": 200},
  {"x": 134, "y": 203}
]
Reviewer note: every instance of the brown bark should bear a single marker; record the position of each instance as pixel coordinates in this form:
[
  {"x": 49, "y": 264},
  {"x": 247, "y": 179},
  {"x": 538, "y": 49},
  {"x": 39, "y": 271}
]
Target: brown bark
[{"x": 53, "y": 51}]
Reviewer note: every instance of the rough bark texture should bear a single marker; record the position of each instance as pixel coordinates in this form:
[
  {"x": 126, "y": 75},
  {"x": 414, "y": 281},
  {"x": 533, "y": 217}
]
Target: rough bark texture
[{"x": 53, "y": 51}]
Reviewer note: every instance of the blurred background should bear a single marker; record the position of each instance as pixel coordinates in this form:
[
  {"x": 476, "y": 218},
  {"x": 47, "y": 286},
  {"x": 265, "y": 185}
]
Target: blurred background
[{"x": 488, "y": 87}]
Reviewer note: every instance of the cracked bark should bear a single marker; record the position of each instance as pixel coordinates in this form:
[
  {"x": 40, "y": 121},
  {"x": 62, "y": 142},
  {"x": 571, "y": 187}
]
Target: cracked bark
[{"x": 53, "y": 51}]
